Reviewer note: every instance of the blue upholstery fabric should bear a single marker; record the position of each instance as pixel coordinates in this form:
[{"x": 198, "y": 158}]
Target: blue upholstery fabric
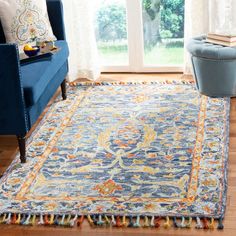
[
  {"x": 36, "y": 76},
  {"x": 55, "y": 13},
  {"x": 12, "y": 107},
  {"x": 35, "y": 111},
  {"x": 214, "y": 68}
]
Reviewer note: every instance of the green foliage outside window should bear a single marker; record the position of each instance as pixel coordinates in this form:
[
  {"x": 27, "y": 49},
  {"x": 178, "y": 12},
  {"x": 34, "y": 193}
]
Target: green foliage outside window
[{"x": 163, "y": 18}]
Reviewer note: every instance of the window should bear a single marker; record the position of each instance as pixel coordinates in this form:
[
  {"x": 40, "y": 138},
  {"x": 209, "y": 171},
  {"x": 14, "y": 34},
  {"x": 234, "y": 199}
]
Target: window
[{"x": 140, "y": 35}]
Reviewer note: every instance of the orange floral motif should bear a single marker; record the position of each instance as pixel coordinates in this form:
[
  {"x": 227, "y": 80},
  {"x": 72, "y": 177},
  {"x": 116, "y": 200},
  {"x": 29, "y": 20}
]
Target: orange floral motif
[
  {"x": 190, "y": 151},
  {"x": 107, "y": 187},
  {"x": 150, "y": 207},
  {"x": 121, "y": 144},
  {"x": 152, "y": 155},
  {"x": 71, "y": 156},
  {"x": 39, "y": 144},
  {"x": 51, "y": 206},
  {"x": 99, "y": 208},
  {"x": 169, "y": 157},
  {"x": 109, "y": 155},
  {"x": 130, "y": 155}
]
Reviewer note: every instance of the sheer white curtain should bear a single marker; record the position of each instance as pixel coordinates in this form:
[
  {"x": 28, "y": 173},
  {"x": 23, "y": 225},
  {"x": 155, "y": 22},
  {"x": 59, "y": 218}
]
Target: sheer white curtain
[
  {"x": 223, "y": 17},
  {"x": 79, "y": 24},
  {"x": 196, "y": 23}
]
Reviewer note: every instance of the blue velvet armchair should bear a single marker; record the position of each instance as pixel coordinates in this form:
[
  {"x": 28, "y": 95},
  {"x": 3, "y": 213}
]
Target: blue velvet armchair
[{"x": 25, "y": 89}]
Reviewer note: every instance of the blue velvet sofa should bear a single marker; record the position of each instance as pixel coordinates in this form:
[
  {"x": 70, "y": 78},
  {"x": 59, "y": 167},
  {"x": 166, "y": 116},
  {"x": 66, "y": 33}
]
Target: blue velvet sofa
[{"x": 25, "y": 89}]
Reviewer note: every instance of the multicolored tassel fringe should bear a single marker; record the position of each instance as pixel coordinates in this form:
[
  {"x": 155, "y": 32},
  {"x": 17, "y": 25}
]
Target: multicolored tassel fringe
[
  {"x": 101, "y": 220},
  {"x": 103, "y": 83}
]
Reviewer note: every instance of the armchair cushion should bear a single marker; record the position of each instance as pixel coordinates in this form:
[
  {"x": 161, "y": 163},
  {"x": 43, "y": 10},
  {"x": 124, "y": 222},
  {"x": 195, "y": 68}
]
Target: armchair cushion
[
  {"x": 24, "y": 21},
  {"x": 36, "y": 76}
]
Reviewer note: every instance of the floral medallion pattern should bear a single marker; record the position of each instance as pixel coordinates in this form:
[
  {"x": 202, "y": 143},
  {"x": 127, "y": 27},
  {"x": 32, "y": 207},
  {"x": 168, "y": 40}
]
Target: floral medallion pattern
[{"x": 158, "y": 149}]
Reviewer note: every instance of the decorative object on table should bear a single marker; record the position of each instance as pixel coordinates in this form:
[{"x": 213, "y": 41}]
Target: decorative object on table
[
  {"x": 43, "y": 52},
  {"x": 47, "y": 46},
  {"x": 31, "y": 51},
  {"x": 220, "y": 39},
  {"x": 213, "y": 67},
  {"x": 25, "y": 20},
  {"x": 127, "y": 154},
  {"x": 28, "y": 87}
]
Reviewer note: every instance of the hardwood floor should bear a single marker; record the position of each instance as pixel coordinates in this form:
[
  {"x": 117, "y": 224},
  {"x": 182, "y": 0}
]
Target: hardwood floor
[{"x": 8, "y": 148}]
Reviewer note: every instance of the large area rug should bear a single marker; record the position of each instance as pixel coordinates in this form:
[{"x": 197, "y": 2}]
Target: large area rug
[{"x": 125, "y": 154}]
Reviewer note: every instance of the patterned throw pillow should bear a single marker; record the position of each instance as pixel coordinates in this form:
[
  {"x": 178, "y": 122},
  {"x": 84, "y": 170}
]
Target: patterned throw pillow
[{"x": 25, "y": 21}]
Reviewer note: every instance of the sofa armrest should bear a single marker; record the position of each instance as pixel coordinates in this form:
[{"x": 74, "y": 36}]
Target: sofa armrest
[
  {"x": 13, "y": 116},
  {"x": 56, "y": 17}
]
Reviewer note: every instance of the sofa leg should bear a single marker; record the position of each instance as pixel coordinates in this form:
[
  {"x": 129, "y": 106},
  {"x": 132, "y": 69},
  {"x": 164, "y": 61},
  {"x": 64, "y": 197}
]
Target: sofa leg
[
  {"x": 63, "y": 90},
  {"x": 22, "y": 147}
]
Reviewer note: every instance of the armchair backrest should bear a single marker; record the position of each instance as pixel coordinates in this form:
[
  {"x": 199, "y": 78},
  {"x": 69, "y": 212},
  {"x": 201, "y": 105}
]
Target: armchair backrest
[
  {"x": 13, "y": 115},
  {"x": 56, "y": 17}
]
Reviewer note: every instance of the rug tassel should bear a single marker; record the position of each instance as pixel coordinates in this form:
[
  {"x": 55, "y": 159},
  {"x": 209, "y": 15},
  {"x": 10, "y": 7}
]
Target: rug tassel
[
  {"x": 167, "y": 223},
  {"x": 176, "y": 225},
  {"x": 113, "y": 221},
  {"x": 157, "y": 222},
  {"x": 189, "y": 224},
  {"x": 212, "y": 224},
  {"x": 94, "y": 219},
  {"x": 80, "y": 221},
  {"x": 137, "y": 223},
  {"x": 27, "y": 221},
  {"x": 3, "y": 219},
  {"x": 199, "y": 223},
  {"x": 152, "y": 223},
  {"x": 56, "y": 220},
  {"x": 23, "y": 219},
  {"x": 46, "y": 221},
  {"x": 107, "y": 220},
  {"x": 8, "y": 220},
  {"x": 13, "y": 221},
  {"x": 41, "y": 221},
  {"x": 72, "y": 221},
  {"x": 51, "y": 221},
  {"x": 33, "y": 220},
  {"x": 118, "y": 222},
  {"x": 18, "y": 219},
  {"x": 90, "y": 220},
  {"x": 67, "y": 221},
  {"x": 100, "y": 221},
  {"x": 124, "y": 223},
  {"x": 220, "y": 224},
  {"x": 205, "y": 223},
  {"x": 131, "y": 223},
  {"x": 182, "y": 224},
  {"x": 146, "y": 222},
  {"x": 62, "y": 220}
]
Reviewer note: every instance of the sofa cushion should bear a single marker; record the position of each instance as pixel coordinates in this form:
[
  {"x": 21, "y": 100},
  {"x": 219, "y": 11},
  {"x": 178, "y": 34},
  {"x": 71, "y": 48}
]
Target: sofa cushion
[
  {"x": 25, "y": 21},
  {"x": 37, "y": 75}
]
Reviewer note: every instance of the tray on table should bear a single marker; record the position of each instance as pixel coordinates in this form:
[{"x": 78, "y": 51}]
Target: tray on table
[{"x": 44, "y": 55}]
